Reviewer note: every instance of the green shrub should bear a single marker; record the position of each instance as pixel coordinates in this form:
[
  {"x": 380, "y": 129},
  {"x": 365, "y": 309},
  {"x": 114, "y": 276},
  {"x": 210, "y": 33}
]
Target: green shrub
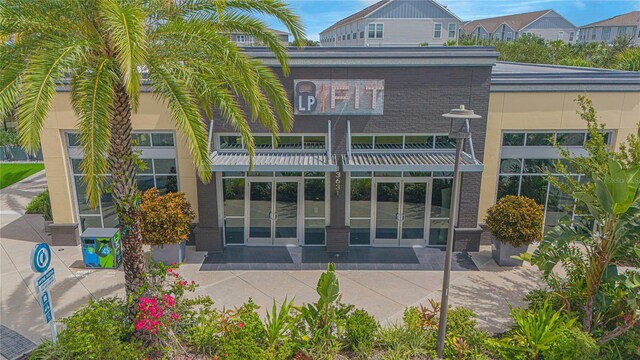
[
  {"x": 398, "y": 341},
  {"x": 242, "y": 333},
  {"x": 98, "y": 331},
  {"x": 41, "y": 204},
  {"x": 572, "y": 344},
  {"x": 464, "y": 339},
  {"x": 535, "y": 330},
  {"x": 47, "y": 350},
  {"x": 624, "y": 347},
  {"x": 537, "y": 298},
  {"x": 516, "y": 220},
  {"x": 9, "y": 138},
  {"x": 360, "y": 332}
]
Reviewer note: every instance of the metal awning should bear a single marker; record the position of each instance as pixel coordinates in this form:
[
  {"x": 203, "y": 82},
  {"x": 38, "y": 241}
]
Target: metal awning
[
  {"x": 273, "y": 161},
  {"x": 440, "y": 161}
]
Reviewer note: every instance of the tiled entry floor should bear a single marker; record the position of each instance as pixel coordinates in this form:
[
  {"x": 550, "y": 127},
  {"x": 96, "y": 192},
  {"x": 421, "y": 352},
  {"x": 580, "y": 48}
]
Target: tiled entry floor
[{"x": 316, "y": 258}]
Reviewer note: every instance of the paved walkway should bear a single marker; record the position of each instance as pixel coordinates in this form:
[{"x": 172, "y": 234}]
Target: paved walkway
[{"x": 384, "y": 293}]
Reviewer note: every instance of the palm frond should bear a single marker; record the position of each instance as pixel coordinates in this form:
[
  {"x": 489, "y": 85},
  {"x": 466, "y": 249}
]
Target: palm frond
[
  {"x": 38, "y": 87},
  {"x": 275, "y": 8},
  {"x": 92, "y": 97},
  {"x": 51, "y": 17},
  {"x": 234, "y": 21},
  {"x": 184, "y": 110},
  {"x": 126, "y": 25},
  {"x": 276, "y": 93}
]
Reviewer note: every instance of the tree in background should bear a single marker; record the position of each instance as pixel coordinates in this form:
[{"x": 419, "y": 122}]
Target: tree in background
[
  {"x": 304, "y": 42},
  {"x": 533, "y": 49},
  {"x": 109, "y": 48}
]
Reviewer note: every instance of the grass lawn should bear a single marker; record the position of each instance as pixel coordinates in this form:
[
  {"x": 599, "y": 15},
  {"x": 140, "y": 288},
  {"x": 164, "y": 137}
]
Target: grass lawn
[{"x": 12, "y": 173}]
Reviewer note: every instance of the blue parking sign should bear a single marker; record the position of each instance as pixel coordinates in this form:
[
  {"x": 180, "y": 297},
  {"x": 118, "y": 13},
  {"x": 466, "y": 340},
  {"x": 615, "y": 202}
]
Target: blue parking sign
[
  {"x": 40, "y": 258},
  {"x": 45, "y": 306}
]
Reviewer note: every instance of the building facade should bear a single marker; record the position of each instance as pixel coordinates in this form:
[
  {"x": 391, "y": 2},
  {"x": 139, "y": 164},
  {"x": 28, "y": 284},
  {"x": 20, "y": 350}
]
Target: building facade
[
  {"x": 368, "y": 161},
  {"x": 627, "y": 25},
  {"x": 546, "y": 24},
  {"x": 395, "y": 23},
  {"x": 242, "y": 39}
]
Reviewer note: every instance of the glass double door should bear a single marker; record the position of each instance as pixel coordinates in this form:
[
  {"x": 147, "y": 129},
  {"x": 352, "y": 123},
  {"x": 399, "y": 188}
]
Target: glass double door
[
  {"x": 273, "y": 207},
  {"x": 400, "y": 213}
]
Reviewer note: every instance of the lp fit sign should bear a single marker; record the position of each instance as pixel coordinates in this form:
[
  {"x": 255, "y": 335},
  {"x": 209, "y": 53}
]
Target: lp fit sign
[{"x": 338, "y": 97}]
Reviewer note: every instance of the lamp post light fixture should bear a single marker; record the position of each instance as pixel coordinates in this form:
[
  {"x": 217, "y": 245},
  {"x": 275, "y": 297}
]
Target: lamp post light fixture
[{"x": 460, "y": 131}]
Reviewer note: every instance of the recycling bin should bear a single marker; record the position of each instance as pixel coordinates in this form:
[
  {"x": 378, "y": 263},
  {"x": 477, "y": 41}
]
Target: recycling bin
[{"x": 101, "y": 248}]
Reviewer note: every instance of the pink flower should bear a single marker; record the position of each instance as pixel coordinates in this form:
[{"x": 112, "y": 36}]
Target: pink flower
[
  {"x": 175, "y": 316},
  {"x": 168, "y": 300},
  {"x": 240, "y": 325}
]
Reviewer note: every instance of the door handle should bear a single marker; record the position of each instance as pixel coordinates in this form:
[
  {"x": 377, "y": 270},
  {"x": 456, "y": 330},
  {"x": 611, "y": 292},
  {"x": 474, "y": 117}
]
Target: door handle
[
  {"x": 271, "y": 215},
  {"x": 398, "y": 217}
]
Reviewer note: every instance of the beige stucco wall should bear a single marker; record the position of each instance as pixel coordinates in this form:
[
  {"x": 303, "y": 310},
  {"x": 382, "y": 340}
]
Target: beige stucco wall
[
  {"x": 151, "y": 115},
  {"x": 507, "y": 111},
  {"x": 548, "y": 111}
]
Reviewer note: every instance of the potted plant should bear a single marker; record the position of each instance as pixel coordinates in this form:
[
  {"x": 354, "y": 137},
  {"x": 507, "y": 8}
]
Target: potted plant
[
  {"x": 515, "y": 222},
  {"x": 165, "y": 224},
  {"x": 41, "y": 204}
]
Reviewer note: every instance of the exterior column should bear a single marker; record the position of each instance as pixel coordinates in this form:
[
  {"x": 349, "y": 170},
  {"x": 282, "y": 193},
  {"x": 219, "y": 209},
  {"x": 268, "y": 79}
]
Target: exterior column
[
  {"x": 337, "y": 232},
  {"x": 208, "y": 233}
]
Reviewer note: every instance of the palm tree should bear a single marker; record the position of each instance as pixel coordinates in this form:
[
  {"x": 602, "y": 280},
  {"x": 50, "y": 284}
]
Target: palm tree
[{"x": 110, "y": 49}]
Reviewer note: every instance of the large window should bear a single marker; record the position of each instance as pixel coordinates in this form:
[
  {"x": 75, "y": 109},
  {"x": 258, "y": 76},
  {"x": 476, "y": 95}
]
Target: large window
[
  {"x": 266, "y": 142},
  {"x": 527, "y": 159},
  {"x": 606, "y": 33},
  {"x": 158, "y": 169},
  {"x": 437, "y": 31},
  {"x": 401, "y": 142},
  {"x": 376, "y": 31}
]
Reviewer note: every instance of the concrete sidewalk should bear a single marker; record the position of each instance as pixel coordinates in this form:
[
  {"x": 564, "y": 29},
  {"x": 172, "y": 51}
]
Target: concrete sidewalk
[{"x": 385, "y": 294}]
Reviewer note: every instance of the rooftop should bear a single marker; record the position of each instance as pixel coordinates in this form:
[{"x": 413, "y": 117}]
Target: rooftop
[
  {"x": 516, "y": 21},
  {"x": 358, "y": 15},
  {"x": 630, "y": 18},
  {"x": 507, "y": 76}
]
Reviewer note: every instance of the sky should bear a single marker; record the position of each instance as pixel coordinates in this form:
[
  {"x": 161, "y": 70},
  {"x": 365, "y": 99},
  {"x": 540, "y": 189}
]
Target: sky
[{"x": 317, "y": 15}]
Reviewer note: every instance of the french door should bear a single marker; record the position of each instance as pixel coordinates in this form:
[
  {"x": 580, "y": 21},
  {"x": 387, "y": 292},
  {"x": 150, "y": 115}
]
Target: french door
[
  {"x": 400, "y": 212},
  {"x": 273, "y": 212}
]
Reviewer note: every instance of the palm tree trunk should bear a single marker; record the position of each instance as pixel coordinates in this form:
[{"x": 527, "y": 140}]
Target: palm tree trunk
[{"x": 125, "y": 194}]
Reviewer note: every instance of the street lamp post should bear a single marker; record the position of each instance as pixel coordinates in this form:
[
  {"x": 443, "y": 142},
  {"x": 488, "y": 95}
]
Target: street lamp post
[{"x": 460, "y": 131}]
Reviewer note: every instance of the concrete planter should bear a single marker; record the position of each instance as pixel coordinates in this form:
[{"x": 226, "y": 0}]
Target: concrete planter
[
  {"x": 169, "y": 253},
  {"x": 47, "y": 230},
  {"x": 502, "y": 253}
]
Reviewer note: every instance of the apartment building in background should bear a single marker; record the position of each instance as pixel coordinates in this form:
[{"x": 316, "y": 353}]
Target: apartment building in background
[
  {"x": 395, "y": 23},
  {"x": 547, "y": 24},
  {"x": 241, "y": 39},
  {"x": 608, "y": 30}
]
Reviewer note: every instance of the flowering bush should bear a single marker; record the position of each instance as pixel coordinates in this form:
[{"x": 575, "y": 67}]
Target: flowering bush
[
  {"x": 165, "y": 219},
  {"x": 162, "y": 306}
]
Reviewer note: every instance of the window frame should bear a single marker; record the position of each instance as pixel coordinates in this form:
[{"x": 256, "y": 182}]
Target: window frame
[
  {"x": 437, "y": 29},
  {"x": 455, "y": 30}
]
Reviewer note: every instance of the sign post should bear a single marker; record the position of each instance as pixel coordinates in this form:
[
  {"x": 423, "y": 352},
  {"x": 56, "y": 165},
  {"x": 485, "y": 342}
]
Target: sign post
[{"x": 40, "y": 261}]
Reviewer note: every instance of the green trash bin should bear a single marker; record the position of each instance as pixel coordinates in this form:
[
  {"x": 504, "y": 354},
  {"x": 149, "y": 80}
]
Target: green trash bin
[{"x": 101, "y": 248}]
